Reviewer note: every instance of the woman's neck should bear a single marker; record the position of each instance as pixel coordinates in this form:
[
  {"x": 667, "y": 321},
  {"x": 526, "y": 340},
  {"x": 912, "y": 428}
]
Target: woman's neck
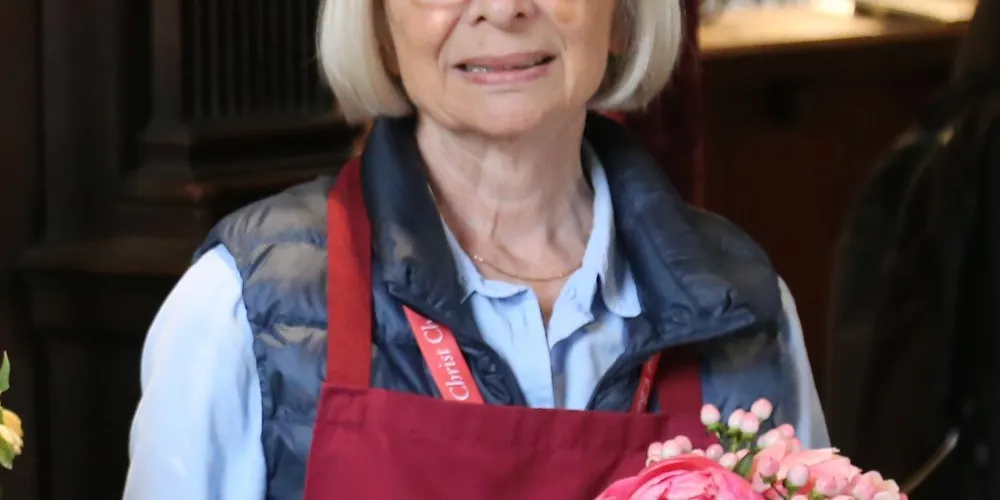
[{"x": 525, "y": 190}]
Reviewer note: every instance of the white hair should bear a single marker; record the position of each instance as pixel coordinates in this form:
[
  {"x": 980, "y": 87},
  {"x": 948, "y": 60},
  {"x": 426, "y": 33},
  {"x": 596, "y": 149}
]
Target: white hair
[{"x": 352, "y": 62}]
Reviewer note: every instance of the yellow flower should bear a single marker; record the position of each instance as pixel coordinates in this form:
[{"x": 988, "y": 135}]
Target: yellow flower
[
  {"x": 12, "y": 439},
  {"x": 11, "y": 420},
  {"x": 11, "y": 431}
]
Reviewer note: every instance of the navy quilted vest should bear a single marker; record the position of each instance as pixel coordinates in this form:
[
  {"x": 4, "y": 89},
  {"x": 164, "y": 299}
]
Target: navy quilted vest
[{"x": 701, "y": 280}]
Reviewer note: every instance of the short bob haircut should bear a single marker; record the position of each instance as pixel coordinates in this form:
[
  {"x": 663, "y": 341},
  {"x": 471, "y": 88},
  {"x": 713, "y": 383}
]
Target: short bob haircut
[{"x": 351, "y": 59}]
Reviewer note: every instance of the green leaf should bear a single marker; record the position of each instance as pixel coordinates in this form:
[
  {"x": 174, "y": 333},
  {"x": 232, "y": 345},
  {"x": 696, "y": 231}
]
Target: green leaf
[
  {"x": 6, "y": 455},
  {"x": 5, "y": 373},
  {"x": 743, "y": 466}
]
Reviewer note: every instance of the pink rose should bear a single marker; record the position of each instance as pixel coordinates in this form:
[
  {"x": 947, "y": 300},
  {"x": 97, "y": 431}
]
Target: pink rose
[{"x": 685, "y": 477}]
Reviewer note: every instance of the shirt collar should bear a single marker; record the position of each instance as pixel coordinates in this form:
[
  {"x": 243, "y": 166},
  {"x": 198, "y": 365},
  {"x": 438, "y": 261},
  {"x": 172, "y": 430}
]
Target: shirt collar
[{"x": 602, "y": 265}]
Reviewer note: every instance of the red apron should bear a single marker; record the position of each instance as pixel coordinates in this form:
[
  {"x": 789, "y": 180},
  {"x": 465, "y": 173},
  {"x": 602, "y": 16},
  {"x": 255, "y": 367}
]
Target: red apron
[{"x": 373, "y": 444}]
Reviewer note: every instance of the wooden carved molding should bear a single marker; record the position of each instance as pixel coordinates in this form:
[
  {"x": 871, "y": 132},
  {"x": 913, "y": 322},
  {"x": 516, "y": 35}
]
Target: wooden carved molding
[
  {"x": 161, "y": 116},
  {"x": 238, "y": 110}
]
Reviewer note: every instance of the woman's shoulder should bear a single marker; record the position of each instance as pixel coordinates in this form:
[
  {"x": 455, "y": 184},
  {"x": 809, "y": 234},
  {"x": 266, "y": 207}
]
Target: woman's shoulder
[
  {"x": 723, "y": 235},
  {"x": 204, "y": 308},
  {"x": 277, "y": 247},
  {"x": 295, "y": 214},
  {"x": 298, "y": 205},
  {"x": 731, "y": 258},
  {"x": 200, "y": 387}
]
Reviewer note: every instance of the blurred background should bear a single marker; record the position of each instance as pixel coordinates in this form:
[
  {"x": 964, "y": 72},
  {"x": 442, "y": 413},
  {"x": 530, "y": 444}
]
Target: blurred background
[{"x": 128, "y": 127}]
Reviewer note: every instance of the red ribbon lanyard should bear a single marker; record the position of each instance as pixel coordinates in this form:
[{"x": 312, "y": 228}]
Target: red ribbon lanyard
[
  {"x": 454, "y": 380},
  {"x": 448, "y": 367}
]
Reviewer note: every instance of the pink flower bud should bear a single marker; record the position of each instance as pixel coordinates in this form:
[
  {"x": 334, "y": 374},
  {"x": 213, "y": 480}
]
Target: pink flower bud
[
  {"x": 654, "y": 451},
  {"x": 768, "y": 467},
  {"x": 798, "y": 476},
  {"x": 800, "y": 497},
  {"x": 728, "y": 460},
  {"x": 769, "y": 438},
  {"x": 762, "y": 408},
  {"x": 715, "y": 452},
  {"x": 874, "y": 476},
  {"x": 843, "y": 485},
  {"x": 863, "y": 489},
  {"x": 735, "y": 418},
  {"x": 786, "y": 430},
  {"x": 684, "y": 444},
  {"x": 700, "y": 453},
  {"x": 749, "y": 424},
  {"x": 710, "y": 415},
  {"x": 742, "y": 453},
  {"x": 759, "y": 485},
  {"x": 829, "y": 486},
  {"x": 670, "y": 449}
]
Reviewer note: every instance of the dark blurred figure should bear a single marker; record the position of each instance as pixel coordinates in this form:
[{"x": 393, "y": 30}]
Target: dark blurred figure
[{"x": 915, "y": 322}]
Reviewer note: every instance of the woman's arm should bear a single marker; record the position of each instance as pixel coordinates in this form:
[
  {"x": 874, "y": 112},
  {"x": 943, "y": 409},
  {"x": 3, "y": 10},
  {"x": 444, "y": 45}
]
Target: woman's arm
[
  {"x": 810, "y": 424},
  {"x": 196, "y": 432}
]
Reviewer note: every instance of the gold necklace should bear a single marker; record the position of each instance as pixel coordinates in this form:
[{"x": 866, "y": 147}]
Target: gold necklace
[
  {"x": 521, "y": 277},
  {"x": 501, "y": 270}
]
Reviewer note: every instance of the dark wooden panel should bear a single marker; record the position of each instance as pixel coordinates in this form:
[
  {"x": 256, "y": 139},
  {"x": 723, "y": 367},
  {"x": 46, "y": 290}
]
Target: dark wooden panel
[
  {"x": 237, "y": 102},
  {"x": 19, "y": 175},
  {"x": 93, "y": 85},
  {"x": 159, "y": 116},
  {"x": 792, "y": 134},
  {"x": 91, "y": 305}
]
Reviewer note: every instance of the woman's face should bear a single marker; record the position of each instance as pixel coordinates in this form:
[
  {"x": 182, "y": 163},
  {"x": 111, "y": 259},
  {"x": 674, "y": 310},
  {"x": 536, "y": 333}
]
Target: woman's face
[{"x": 500, "y": 67}]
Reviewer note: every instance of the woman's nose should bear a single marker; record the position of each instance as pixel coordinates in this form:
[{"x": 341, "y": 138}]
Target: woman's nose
[{"x": 504, "y": 14}]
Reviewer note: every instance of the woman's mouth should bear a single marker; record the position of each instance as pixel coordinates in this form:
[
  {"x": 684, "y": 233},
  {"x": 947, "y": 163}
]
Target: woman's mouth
[
  {"x": 509, "y": 69},
  {"x": 493, "y": 68}
]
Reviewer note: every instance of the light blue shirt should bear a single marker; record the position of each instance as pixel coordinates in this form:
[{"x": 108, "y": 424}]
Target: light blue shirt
[
  {"x": 197, "y": 430},
  {"x": 559, "y": 366}
]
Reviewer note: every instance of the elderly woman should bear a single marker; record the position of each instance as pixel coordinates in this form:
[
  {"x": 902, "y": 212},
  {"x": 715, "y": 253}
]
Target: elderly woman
[{"x": 502, "y": 297}]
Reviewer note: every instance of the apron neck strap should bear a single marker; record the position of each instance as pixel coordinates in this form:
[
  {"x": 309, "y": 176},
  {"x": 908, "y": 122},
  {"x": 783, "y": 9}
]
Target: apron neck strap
[
  {"x": 349, "y": 281},
  {"x": 678, "y": 383}
]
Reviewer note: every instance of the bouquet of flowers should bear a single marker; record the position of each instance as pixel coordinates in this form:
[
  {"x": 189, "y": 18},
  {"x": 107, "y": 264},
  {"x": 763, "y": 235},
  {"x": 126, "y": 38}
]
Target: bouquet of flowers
[
  {"x": 11, "y": 433},
  {"x": 745, "y": 466}
]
